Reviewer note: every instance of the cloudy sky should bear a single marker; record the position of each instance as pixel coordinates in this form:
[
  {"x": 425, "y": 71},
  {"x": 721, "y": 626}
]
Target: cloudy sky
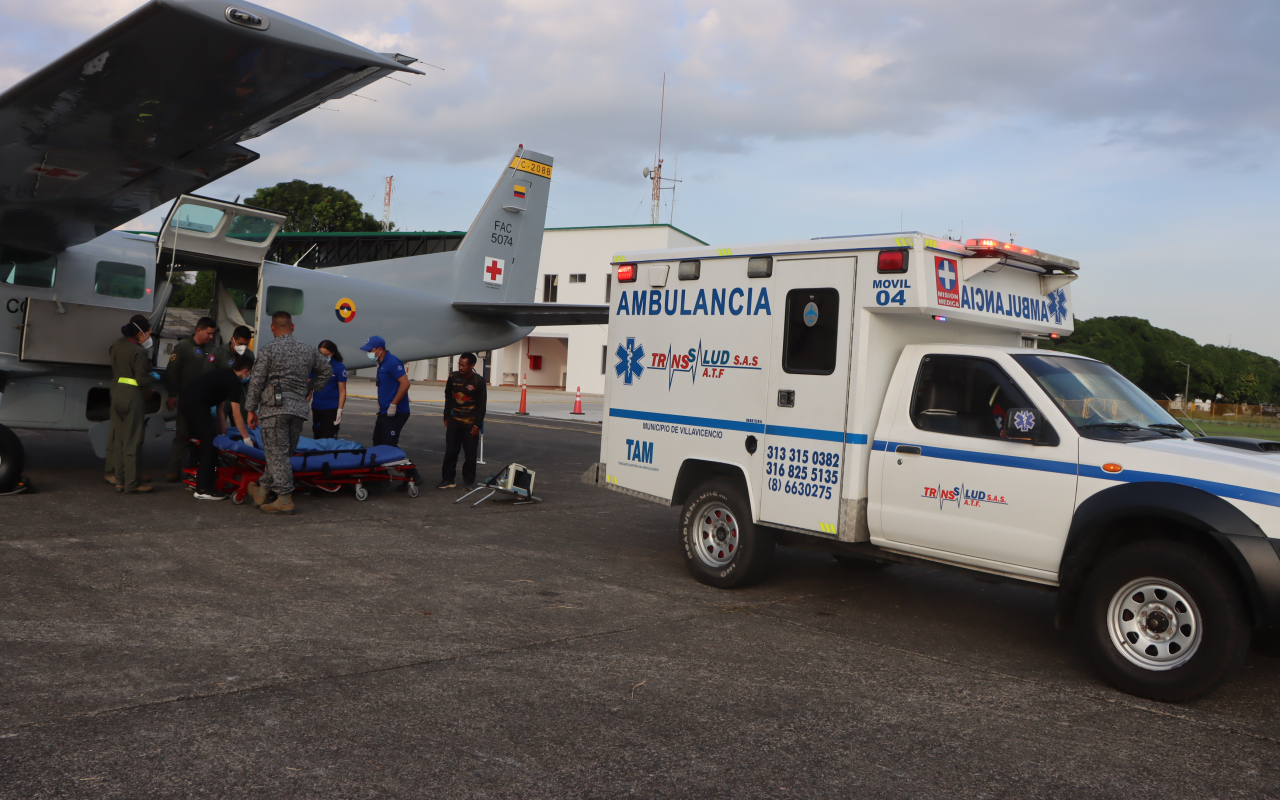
[{"x": 1139, "y": 137}]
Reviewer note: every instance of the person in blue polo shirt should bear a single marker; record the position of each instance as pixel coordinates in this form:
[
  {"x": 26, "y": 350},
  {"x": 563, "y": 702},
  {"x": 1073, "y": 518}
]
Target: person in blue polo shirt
[{"x": 393, "y": 396}]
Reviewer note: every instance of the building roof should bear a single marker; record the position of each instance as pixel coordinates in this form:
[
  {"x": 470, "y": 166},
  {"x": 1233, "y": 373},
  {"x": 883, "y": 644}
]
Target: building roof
[{"x": 645, "y": 225}]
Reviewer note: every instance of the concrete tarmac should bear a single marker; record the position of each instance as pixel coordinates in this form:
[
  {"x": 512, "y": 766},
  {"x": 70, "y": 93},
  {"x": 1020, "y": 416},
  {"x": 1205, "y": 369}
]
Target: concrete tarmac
[{"x": 164, "y": 647}]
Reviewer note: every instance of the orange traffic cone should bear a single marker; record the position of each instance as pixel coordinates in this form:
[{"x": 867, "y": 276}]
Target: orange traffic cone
[
  {"x": 524, "y": 399},
  {"x": 577, "y": 403}
]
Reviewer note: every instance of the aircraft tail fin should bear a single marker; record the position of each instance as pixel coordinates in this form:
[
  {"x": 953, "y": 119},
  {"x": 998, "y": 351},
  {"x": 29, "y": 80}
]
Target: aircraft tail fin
[{"x": 497, "y": 261}]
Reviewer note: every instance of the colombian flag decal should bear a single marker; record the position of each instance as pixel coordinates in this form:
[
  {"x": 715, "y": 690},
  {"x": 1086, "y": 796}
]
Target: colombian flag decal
[
  {"x": 345, "y": 309},
  {"x": 520, "y": 190}
]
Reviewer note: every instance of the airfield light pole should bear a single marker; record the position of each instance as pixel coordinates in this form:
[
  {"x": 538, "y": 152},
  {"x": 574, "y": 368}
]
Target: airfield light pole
[{"x": 1186, "y": 395}]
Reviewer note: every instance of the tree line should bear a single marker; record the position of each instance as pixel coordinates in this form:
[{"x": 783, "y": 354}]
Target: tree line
[{"x": 1149, "y": 357}]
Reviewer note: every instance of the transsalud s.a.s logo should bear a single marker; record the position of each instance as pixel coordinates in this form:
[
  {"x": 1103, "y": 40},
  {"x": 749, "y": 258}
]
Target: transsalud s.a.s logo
[{"x": 630, "y": 357}]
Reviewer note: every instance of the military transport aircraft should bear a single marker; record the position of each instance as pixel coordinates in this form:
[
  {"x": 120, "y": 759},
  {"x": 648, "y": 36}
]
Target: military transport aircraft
[{"x": 148, "y": 111}]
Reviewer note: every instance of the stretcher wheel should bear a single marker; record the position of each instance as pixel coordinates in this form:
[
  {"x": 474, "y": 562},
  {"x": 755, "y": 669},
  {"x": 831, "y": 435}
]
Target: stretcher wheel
[
  {"x": 238, "y": 498},
  {"x": 413, "y": 489},
  {"x": 362, "y": 493}
]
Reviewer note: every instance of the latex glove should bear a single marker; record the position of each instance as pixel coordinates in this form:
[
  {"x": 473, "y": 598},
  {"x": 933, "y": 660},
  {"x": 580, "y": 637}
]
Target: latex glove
[{"x": 338, "y": 419}]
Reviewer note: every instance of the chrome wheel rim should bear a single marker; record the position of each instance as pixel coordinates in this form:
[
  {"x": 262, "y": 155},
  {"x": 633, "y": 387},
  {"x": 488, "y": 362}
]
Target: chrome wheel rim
[
  {"x": 1154, "y": 624},
  {"x": 715, "y": 535}
]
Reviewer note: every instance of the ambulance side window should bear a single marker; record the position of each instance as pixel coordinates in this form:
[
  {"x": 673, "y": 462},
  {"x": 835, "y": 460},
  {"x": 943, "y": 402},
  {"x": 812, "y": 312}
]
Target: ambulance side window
[
  {"x": 964, "y": 396},
  {"x": 811, "y": 335}
]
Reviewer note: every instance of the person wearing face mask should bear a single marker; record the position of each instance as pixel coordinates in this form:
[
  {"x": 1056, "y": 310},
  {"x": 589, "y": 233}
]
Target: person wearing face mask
[
  {"x": 393, "y": 398},
  {"x": 328, "y": 401},
  {"x": 213, "y": 390},
  {"x": 109, "y": 471},
  {"x": 131, "y": 377},
  {"x": 226, "y": 354}
]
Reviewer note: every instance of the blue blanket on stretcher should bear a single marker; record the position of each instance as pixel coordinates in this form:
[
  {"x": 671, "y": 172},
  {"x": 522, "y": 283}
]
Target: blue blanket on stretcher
[{"x": 313, "y": 461}]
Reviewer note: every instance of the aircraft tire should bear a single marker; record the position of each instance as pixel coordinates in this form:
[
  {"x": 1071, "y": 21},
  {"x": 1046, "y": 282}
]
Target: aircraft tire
[{"x": 11, "y": 460}]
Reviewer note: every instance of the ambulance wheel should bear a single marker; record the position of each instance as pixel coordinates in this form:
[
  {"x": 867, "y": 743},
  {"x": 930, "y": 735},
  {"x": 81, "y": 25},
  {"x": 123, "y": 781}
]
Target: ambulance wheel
[
  {"x": 11, "y": 460},
  {"x": 362, "y": 493},
  {"x": 1164, "y": 620},
  {"x": 722, "y": 546}
]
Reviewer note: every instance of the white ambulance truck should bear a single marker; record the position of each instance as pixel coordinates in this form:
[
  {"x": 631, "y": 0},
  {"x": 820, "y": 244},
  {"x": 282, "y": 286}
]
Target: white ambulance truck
[{"x": 883, "y": 398}]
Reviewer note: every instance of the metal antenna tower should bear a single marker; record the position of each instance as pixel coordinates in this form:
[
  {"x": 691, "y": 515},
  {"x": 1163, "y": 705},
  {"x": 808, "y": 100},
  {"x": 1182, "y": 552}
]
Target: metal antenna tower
[
  {"x": 386, "y": 205},
  {"x": 655, "y": 174}
]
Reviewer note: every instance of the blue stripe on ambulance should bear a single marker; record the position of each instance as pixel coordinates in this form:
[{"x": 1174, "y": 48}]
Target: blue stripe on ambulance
[
  {"x": 748, "y": 427},
  {"x": 1068, "y": 468}
]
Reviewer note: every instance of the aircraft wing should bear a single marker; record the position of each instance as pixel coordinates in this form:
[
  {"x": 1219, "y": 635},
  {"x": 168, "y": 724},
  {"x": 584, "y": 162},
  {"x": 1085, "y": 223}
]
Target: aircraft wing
[
  {"x": 154, "y": 107},
  {"x": 526, "y": 314}
]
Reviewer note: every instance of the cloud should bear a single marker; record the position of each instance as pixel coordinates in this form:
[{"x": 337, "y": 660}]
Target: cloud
[{"x": 583, "y": 79}]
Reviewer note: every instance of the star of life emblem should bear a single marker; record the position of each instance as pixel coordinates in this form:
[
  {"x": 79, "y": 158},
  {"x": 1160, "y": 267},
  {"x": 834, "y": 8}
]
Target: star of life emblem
[
  {"x": 1024, "y": 421},
  {"x": 629, "y": 364}
]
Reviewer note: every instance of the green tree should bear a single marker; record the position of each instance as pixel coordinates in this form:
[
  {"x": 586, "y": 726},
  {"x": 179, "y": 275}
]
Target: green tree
[
  {"x": 315, "y": 208},
  {"x": 197, "y": 294}
]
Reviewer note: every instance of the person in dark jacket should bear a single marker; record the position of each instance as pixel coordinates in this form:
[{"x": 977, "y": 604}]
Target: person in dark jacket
[
  {"x": 199, "y": 399},
  {"x": 465, "y": 401},
  {"x": 190, "y": 359}
]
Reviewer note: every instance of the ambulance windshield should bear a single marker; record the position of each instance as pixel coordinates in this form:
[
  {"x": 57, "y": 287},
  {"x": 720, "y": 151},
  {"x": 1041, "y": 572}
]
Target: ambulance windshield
[{"x": 1100, "y": 402}]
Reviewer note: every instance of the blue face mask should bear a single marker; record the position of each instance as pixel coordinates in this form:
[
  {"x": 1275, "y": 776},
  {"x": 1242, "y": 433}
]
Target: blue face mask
[
  {"x": 373, "y": 356},
  {"x": 245, "y": 379},
  {"x": 327, "y": 359}
]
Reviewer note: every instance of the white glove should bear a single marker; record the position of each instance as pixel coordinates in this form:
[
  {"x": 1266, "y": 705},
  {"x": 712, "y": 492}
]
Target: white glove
[{"x": 338, "y": 419}]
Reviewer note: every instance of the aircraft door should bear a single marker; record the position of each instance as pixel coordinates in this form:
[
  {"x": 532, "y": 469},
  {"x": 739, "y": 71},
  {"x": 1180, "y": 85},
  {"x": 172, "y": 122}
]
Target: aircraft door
[
  {"x": 202, "y": 233},
  {"x": 807, "y": 403}
]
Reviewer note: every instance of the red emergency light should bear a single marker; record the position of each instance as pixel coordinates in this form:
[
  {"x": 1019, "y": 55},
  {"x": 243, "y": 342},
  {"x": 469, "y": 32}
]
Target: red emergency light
[
  {"x": 986, "y": 246},
  {"x": 626, "y": 273}
]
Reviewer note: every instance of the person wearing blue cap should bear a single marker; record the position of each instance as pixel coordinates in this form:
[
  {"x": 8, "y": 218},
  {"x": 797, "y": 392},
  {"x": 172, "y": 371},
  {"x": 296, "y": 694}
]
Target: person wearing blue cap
[{"x": 393, "y": 397}]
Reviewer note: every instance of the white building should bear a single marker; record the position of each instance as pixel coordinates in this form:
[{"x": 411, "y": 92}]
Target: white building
[{"x": 576, "y": 267}]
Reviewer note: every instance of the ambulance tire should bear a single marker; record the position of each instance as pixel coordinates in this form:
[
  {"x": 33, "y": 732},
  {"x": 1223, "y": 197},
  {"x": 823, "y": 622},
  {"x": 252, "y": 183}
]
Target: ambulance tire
[
  {"x": 1198, "y": 608},
  {"x": 722, "y": 546},
  {"x": 12, "y": 459}
]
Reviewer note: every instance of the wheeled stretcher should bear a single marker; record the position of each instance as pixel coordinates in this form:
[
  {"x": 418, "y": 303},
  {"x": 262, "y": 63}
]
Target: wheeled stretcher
[{"x": 324, "y": 470}]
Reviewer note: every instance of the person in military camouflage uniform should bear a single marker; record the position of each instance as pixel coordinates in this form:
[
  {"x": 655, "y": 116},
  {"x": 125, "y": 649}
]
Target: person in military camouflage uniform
[
  {"x": 131, "y": 376},
  {"x": 190, "y": 359},
  {"x": 284, "y": 364}
]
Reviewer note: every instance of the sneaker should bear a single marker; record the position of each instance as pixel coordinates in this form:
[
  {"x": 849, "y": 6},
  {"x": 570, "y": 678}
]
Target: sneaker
[
  {"x": 111, "y": 479},
  {"x": 446, "y": 485},
  {"x": 142, "y": 489},
  {"x": 213, "y": 495},
  {"x": 283, "y": 504}
]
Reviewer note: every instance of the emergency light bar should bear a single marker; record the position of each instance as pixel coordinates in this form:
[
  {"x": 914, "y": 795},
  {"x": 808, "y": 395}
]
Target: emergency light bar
[
  {"x": 626, "y": 273},
  {"x": 998, "y": 249}
]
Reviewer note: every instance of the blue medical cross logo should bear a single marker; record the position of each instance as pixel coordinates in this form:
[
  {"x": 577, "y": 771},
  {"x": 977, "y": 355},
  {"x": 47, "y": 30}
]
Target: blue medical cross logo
[
  {"x": 1058, "y": 306},
  {"x": 946, "y": 275},
  {"x": 629, "y": 363}
]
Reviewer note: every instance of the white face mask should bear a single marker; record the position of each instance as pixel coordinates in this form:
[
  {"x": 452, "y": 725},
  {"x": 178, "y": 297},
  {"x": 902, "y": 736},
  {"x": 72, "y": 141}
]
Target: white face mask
[
  {"x": 373, "y": 356},
  {"x": 240, "y": 348}
]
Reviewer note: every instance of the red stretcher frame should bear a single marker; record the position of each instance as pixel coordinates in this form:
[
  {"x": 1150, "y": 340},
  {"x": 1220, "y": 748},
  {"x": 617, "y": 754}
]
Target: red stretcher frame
[{"x": 238, "y": 470}]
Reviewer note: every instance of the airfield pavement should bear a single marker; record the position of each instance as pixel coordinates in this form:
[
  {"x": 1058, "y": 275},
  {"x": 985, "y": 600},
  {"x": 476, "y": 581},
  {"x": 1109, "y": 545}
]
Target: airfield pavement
[{"x": 161, "y": 647}]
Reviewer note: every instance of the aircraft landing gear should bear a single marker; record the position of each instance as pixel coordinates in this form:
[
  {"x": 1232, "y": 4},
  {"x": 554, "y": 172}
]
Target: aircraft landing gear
[{"x": 11, "y": 461}]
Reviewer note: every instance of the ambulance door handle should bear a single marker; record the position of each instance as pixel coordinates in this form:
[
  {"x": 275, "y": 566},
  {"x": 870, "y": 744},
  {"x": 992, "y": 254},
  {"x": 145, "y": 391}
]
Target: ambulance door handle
[
  {"x": 907, "y": 450},
  {"x": 786, "y": 398}
]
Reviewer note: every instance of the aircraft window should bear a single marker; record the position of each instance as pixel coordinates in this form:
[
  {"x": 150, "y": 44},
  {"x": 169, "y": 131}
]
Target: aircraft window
[
  {"x": 200, "y": 219},
  {"x": 120, "y": 280},
  {"x": 812, "y": 332},
  {"x": 280, "y": 298},
  {"x": 246, "y": 228},
  {"x": 23, "y": 268}
]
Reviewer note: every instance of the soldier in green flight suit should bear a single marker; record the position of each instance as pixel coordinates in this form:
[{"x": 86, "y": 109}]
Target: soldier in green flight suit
[
  {"x": 190, "y": 359},
  {"x": 131, "y": 376},
  {"x": 226, "y": 354},
  {"x": 109, "y": 472}
]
